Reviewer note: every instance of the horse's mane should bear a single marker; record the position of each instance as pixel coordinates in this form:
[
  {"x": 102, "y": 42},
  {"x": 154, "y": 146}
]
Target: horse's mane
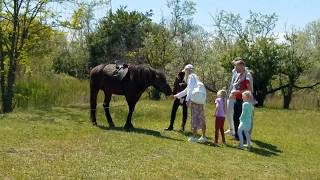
[{"x": 144, "y": 73}]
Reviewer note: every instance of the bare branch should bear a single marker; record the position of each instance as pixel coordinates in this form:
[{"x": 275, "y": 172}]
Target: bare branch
[
  {"x": 307, "y": 87},
  {"x": 210, "y": 89},
  {"x": 277, "y": 89},
  {"x": 7, "y": 8}
]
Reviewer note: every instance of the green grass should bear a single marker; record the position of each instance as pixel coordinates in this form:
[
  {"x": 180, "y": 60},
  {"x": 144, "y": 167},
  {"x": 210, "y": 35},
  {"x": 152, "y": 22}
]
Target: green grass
[{"x": 60, "y": 143}]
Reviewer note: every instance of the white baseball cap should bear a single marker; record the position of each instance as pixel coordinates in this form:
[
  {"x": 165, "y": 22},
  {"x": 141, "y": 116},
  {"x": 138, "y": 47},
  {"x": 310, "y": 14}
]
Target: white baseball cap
[{"x": 188, "y": 66}]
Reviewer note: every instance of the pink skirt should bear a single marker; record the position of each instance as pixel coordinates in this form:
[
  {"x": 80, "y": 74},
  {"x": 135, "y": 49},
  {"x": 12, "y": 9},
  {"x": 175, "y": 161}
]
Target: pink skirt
[{"x": 198, "y": 120}]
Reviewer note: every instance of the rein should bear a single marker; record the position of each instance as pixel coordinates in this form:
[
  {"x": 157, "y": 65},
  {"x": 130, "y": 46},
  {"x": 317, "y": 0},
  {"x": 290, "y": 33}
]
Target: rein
[{"x": 110, "y": 107}]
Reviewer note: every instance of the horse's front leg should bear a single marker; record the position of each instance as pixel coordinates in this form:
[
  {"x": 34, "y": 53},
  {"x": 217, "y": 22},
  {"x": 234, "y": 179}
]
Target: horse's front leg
[{"x": 128, "y": 124}]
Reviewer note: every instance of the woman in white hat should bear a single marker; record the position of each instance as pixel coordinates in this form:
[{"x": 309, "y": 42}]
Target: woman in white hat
[{"x": 197, "y": 110}]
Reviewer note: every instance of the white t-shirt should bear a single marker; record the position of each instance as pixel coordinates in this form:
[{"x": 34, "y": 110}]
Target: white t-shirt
[{"x": 192, "y": 81}]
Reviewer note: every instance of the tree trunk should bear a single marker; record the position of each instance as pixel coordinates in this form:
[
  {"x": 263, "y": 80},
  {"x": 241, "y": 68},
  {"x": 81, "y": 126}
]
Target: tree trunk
[
  {"x": 2, "y": 73},
  {"x": 260, "y": 97},
  {"x": 12, "y": 51},
  {"x": 9, "y": 91},
  {"x": 287, "y": 97}
]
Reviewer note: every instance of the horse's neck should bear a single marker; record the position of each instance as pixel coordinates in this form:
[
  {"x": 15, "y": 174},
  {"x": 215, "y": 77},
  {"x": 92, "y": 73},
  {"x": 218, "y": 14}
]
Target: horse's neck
[{"x": 145, "y": 83}]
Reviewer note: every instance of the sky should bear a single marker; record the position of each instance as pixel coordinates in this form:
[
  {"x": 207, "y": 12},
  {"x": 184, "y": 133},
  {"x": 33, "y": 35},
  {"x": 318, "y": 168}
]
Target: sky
[{"x": 291, "y": 13}]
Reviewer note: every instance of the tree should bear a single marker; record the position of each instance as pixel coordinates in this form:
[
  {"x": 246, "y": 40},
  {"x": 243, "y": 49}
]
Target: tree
[
  {"x": 17, "y": 17},
  {"x": 181, "y": 27},
  {"x": 311, "y": 35},
  {"x": 158, "y": 47},
  {"x": 82, "y": 21},
  {"x": 252, "y": 40},
  {"x": 118, "y": 34},
  {"x": 182, "y": 12},
  {"x": 294, "y": 63}
]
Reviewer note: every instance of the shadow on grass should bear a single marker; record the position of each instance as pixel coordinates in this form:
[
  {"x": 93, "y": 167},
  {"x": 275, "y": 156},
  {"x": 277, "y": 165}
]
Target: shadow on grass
[
  {"x": 139, "y": 131},
  {"x": 265, "y": 149},
  {"x": 188, "y": 134}
]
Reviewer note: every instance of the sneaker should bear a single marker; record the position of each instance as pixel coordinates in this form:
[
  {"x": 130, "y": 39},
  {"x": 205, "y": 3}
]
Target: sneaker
[
  {"x": 202, "y": 139},
  {"x": 192, "y": 139},
  {"x": 228, "y": 131}
]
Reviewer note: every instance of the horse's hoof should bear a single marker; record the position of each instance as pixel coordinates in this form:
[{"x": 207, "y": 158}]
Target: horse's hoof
[
  {"x": 112, "y": 126},
  {"x": 94, "y": 124},
  {"x": 128, "y": 127}
]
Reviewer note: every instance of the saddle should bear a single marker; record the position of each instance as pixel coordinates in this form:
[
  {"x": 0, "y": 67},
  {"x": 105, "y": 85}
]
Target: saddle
[{"x": 121, "y": 70}]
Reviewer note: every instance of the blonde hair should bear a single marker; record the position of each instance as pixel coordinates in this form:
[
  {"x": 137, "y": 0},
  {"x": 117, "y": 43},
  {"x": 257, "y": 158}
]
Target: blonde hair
[
  {"x": 222, "y": 93},
  {"x": 247, "y": 94},
  {"x": 187, "y": 72}
]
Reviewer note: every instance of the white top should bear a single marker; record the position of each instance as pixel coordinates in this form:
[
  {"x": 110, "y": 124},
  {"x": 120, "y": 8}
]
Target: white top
[
  {"x": 234, "y": 77},
  {"x": 192, "y": 81}
]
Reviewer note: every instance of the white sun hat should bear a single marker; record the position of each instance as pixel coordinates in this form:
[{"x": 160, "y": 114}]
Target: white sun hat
[{"x": 188, "y": 66}]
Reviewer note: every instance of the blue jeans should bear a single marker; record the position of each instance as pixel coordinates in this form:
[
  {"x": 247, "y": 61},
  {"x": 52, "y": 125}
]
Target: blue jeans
[{"x": 246, "y": 133}]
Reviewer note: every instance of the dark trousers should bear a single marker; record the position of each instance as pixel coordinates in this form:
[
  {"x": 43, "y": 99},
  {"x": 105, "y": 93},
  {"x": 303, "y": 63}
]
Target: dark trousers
[
  {"x": 236, "y": 117},
  {"x": 219, "y": 128},
  {"x": 175, "y": 107}
]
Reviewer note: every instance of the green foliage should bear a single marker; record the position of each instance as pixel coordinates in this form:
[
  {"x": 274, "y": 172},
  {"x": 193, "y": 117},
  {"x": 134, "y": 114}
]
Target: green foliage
[
  {"x": 252, "y": 41},
  {"x": 117, "y": 35},
  {"x": 182, "y": 12},
  {"x": 72, "y": 63},
  {"x": 158, "y": 47},
  {"x": 19, "y": 21},
  {"x": 50, "y": 90}
]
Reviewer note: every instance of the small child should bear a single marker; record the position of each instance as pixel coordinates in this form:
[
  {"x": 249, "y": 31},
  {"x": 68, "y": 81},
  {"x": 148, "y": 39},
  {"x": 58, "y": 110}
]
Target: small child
[
  {"x": 245, "y": 119},
  {"x": 220, "y": 116}
]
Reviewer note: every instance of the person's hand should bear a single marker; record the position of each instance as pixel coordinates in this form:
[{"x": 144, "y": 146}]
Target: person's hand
[
  {"x": 175, "y": 97},
  {"x": 188, "y": 104},
  {"x": 234, "y": 93}
]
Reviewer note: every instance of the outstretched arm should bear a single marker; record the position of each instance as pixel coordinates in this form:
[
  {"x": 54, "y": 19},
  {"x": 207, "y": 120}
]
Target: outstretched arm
[{"x": 188, "y": 90}]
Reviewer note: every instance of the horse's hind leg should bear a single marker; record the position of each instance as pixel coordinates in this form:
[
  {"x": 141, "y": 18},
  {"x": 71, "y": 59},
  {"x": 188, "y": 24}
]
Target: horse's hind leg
[
  {"x": 106, "y": 106},
  {"x": 93, "y": 104},
  {"x": 128, "y": 124}
]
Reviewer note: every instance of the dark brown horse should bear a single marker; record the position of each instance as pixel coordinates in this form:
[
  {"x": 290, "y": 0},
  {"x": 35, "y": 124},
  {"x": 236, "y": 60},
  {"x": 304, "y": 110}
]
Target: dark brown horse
[{"x": 137, "y": 79}]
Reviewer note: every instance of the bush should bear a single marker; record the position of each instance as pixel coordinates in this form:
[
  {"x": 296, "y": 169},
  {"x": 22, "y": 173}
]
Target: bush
[{"x": 73, "y": 64}]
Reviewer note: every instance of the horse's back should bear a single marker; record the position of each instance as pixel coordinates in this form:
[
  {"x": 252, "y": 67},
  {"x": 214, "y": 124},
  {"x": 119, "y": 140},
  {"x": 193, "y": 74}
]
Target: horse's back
[
  {"x": 103, "y": 77},
  {"x": 109, "y": 69},
  {"x": 97, "y": 70}
]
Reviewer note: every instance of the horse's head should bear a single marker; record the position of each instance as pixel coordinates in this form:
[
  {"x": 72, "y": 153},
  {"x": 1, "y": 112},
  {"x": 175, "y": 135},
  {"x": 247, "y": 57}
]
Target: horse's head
[
  {"x": 160, "y": 83},
  {"x": 146, "y": 76}
]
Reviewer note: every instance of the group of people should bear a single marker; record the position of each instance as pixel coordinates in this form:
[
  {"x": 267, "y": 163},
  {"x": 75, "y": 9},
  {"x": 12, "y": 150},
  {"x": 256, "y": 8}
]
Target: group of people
[{"x": 234, "y": 104}]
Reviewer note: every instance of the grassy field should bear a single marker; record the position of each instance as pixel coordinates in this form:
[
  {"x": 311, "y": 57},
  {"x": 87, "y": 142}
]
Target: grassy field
[{"x": 60, "y": 143}]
